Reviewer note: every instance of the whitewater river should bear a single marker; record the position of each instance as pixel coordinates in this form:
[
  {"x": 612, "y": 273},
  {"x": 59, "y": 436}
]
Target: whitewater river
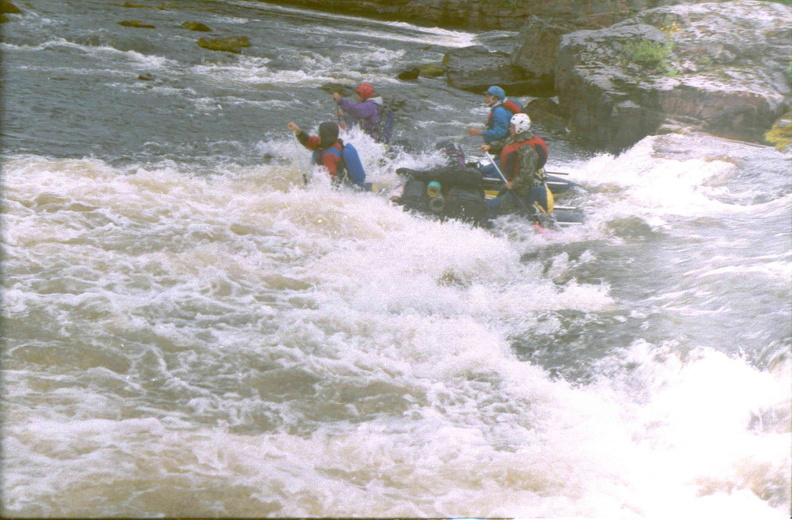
[{"x": 190, "y": 331}]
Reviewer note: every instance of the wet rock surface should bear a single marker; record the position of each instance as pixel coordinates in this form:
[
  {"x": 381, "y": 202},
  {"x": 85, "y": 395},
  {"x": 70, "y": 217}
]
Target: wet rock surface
[{"x": 712, "y": 67}]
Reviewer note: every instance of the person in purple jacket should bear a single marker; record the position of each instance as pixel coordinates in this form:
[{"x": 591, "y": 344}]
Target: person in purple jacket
[{"x": 366, "y": 112}]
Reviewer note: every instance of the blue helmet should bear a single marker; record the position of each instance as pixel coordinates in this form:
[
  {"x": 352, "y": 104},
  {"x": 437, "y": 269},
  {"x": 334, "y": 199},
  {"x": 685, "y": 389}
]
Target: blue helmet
[{"x": 496, "y": 92}]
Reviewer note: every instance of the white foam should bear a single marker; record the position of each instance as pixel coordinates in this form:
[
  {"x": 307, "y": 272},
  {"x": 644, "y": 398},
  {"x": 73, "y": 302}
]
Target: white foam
[
  {"x": 384, "y": 29},
  {"x": 147, "y": 61},
  {"x": 399, "y": 393}
]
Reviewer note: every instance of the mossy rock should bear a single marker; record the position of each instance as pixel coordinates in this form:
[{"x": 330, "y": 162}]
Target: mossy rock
[
  {"x": 410, "y": 74},
  {"x": 432, "y": 71},
  {"x": 780, "y": 135},
  {"x": 7, "y": 7},
  {"x": 132, "y": 5},
  {"x": 230, "y": 44},
  {"x": 196, "y": 26},
  {"x": 136, "y": 23}
]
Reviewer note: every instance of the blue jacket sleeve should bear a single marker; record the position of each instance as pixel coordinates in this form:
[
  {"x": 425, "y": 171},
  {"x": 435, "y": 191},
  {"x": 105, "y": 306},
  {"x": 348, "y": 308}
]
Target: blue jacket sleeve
[{"x": 500, "y": 128}]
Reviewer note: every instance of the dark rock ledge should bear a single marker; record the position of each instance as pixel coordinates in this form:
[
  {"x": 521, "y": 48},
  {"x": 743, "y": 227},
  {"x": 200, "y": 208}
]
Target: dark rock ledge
[
  {"x": 721, "y": 68},
  {"x": 620, "y": 70}
]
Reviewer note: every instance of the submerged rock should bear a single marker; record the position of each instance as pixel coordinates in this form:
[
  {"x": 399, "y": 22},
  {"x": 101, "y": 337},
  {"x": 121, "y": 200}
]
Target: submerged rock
[
  {"x": 411, "y": 74},
  {"x": 232, "y": 44},
  {"x": 716, "y": 67},
  {"x": 133, "y": 5},
  {"x": 425, "y": 71},
  {"x": 7, "y": 7},
  {"x": 432, "y": 71},
  {"x": 196, "y": 26},
  {"x": 136, "y": 23}
]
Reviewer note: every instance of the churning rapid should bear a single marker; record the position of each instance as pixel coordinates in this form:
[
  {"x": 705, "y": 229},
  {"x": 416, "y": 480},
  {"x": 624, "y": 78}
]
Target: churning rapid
[{"x": 189, "y": 330}]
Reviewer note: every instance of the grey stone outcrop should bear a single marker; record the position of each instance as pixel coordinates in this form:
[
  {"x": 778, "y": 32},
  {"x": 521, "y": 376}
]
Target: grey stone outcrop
[{"x": 716, "y": 67}]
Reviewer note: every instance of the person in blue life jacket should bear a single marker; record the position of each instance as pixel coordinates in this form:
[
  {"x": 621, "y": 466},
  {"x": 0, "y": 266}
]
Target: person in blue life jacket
[
  {"x": 365, "y": 112},
  {"x": 497, "y": 126},
  {"x": 501, "y": 112},
  {"x": 340, "y": 160}
]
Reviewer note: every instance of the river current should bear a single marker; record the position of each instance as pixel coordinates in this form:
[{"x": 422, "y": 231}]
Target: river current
[{"x": 189, "y": 330}]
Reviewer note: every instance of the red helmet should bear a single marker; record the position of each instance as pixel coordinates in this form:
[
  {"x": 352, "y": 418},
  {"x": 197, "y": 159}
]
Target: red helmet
[{"x": 365, "y": 90}]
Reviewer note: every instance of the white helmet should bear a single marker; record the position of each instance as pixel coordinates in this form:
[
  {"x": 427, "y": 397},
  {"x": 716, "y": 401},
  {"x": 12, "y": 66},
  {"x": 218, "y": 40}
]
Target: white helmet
[{"x": 521, "y": 122}]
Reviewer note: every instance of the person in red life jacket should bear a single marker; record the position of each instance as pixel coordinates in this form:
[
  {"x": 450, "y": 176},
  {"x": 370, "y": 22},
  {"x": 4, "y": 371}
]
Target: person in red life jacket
[
  {"x": 328, "y": 151},
  {"x": 501, "y": 112},
  {"x": 522, "y": 158},
  {"x": 366, "y": 112}
]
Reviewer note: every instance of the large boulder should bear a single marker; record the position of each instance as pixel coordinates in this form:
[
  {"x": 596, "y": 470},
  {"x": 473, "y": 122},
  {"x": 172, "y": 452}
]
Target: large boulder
[
  {"x": 537, "y": 45},
  {"x": 548, "y": 114},
  {"x": 716, "y": 67},
  {"x": 476, "y": 68},
  {"x": 537, "y": 42}
]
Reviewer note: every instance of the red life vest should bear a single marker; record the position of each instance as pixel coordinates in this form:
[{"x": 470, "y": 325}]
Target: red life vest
[
  {"x": 511, "y": 106},
  {"x": 332, "y": 161},
  {"x": 508, "y": 153}
]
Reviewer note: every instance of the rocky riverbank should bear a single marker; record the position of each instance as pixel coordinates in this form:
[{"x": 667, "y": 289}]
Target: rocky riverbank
[
  {"x": 508, "y": 15},
  {"x": 723, "y": 68},
  {"x": 621, "y": 69},
  {"x": 720, "y": 68},
  {"x": 610, "y": 72}
]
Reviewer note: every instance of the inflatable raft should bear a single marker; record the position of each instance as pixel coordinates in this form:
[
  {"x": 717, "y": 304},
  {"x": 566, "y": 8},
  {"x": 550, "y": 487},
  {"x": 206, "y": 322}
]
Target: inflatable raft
[{"x": 464, "y": 193}]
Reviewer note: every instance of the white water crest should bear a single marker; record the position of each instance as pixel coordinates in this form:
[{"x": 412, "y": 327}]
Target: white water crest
[
  {"x": 238, "y": 345},
  {"x": 196, "y": 324},
  {"x": 403, "y": 32}
]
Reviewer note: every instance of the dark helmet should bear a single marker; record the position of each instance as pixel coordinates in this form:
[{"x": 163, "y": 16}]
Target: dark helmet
[
  {"x": 455, "y": 156},
  {"x": 328, "y": 134},
  {"x": 366, "y": 90}
]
